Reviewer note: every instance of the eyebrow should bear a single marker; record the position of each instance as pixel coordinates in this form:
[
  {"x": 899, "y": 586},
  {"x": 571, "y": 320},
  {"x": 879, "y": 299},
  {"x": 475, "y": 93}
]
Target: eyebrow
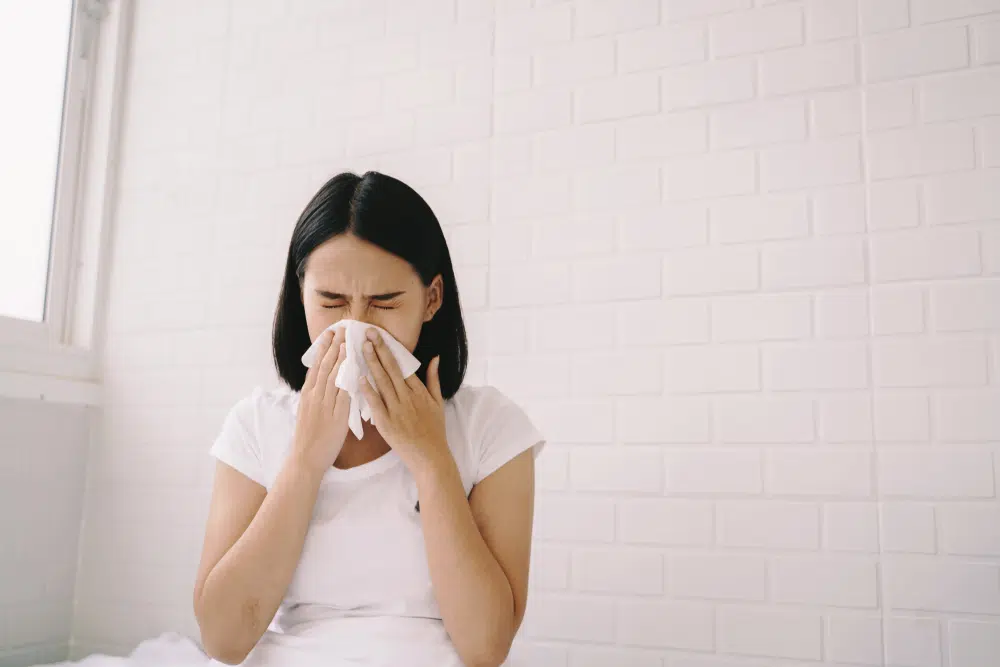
[{"x": 375, "y": 297}]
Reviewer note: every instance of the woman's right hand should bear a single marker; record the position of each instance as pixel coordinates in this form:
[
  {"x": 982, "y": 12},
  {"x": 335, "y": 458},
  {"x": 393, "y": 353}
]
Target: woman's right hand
[{"x": 321, "y": 422}]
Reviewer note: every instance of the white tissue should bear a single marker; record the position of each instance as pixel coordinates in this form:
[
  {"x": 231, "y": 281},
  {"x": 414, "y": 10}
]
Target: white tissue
[{"x": 355, "y": 366}]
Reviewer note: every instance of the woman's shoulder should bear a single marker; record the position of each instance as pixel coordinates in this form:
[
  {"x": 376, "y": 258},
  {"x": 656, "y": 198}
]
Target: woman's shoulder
[
  {"x": 264, "y": 407},
  {"x": 481, "y": 403}
]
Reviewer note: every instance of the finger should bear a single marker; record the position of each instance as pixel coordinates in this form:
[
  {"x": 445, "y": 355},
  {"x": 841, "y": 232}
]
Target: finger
[
  {"x": 382, "y": 380},
  {"x": 434, "y": 379},
  {"x": 329, "y": 360},
  {"x": 380, "y": 414},
  {"x": 388, "y": 363},
  {"x": 332, "y": 390},
  {"x": 324, "y": 340}
]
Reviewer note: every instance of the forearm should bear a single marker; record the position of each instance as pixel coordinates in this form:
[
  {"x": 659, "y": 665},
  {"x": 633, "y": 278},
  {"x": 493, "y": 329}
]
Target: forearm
[
  {"x": 243, "y": 591},
  {"x": 472, "y": 591}
]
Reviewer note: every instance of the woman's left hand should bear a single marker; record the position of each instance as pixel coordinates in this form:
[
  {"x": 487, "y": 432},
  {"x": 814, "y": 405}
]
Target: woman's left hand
[{"x": 409, "y": 415}]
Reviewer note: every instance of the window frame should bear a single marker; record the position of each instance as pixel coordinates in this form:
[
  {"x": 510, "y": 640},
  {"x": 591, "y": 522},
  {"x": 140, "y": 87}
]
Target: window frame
[{"x": 59, "y": 357}]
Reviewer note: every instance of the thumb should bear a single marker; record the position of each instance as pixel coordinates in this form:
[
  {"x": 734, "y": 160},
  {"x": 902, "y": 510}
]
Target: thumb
[{"x": 434, "y": 379}]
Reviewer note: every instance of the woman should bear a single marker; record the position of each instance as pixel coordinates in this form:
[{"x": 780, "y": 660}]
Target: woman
[{"x": 406, "y": 546}]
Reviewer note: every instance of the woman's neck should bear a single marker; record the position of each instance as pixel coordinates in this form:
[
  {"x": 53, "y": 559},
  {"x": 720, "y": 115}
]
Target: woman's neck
[{"x": 359, "y": 452}]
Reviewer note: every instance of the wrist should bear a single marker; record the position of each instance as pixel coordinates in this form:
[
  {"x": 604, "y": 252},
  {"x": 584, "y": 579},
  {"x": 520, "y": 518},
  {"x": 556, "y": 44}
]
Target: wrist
[
  {"x": 303, "y": 467},
  {"x": 433, "y": 467}
]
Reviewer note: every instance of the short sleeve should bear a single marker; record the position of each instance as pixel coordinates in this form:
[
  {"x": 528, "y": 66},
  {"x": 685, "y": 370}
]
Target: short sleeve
[
  {"x": 504, "y": 431},
  {"x": 236, "y": 445}
]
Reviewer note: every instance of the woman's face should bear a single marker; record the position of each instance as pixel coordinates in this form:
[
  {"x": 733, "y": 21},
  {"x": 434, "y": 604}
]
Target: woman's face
[{"x": 347, "y": 278}]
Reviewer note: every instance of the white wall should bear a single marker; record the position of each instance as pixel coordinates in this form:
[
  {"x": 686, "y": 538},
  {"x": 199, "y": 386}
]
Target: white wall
[
  {"x": 741, "y": 263},
  {"x": 44, "y": 450}
]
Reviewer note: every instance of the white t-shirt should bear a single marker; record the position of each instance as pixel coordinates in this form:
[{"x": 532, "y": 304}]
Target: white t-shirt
[{"x": 363, "y": 563}]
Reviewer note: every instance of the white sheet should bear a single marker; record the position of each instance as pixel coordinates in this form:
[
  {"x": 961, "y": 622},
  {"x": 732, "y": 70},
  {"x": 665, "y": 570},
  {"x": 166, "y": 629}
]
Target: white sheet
[{"x": 168, "y": 650}]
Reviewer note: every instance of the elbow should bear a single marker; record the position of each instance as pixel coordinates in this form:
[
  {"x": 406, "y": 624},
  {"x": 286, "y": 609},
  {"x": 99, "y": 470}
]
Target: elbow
[
  {"x": 224, "y": 644},
  {"x": 490, "y": 651},
  {"x": 487, "y": 658}
]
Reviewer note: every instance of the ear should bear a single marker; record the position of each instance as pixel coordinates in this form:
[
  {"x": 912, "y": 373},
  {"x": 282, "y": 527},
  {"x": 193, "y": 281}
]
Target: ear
[{"x": 435, "y": 298}]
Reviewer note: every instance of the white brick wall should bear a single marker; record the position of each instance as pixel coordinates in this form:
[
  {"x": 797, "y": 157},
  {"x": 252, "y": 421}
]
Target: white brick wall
[{"x": 737, "y": 259}]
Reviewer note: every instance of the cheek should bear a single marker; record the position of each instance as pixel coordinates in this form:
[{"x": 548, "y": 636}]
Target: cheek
[{"x": 404, "y": 326}]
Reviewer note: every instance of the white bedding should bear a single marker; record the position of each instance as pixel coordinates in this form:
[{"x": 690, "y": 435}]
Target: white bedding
[{"x": 168, "y": 650}]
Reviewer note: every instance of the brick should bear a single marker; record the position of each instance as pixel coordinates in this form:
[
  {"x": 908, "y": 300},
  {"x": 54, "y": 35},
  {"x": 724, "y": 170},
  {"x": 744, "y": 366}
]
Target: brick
[
  {"x": 615, "y": 188},
  {"x": 661, "y": 136},
  {"x": 617, "y": 373},
  {"x": 718, "y": 82},
  {"x": 920, "y": 255},
  {"x": 532, "y": 111},
  {"x": 770, "y": 633},
  {"x": 890, "y": 105},
  {"x": 851, "y": 526},
  {"x": 972, "y": 643},
  {"x": 836, "y": 113},
  {"x": 839, "y": 211},
  {"x": 473, "y": 283},
  {"x": 574, "y": 518},
  {"x": 818, "y": 163},
  {"x": 421, "y": 167},
  {"x": 522, "y": 31},
  {"x": 661, "y": 47},
  {"x": 747, "y": 419},
  {"x": 913, "y": 641},
  {"x": 666, "y": 522},
  {"x": 970, "y": 529},
  {"x": 552, "y": 469},
  {"x": 679, "y": 10},
  {"x": 855, "y": 640},
  {"x": 403, "y": 17},
  {"x": 716, "y": 471},
  {"x": 452, "y": 124},
  {"x": 928, "y": 11},
  {"x": 893, "y": 205},
  {"x": 511, "y": 73},
  {"x": 534, "y": 375},
  {"x": 964, "y": 197},
  {"x": 987, "y": 42},
  {"x": 666, "y": 322},
  {"x": 826, "y": 580},
  {"x": 961, "y": 95},
  {"x": 474, "y": 82},
  {"x": 501, "y": 331},
  {"x": 626, "y": 571},
  {"x": 718, "y": 577},
  {"x": 380, "y": 135},
  {"x": 384, "y": 56},
  {"x": 712, "y": 369},
  {"x": 510, "y": 157},
  {"x": 937, "y": 473},
  {"x": 845, "y": 418},
  {"x": 991, "y": 249},
  {"x": 621, "y": 97},
  {"x": 658, "y": 420},
  {"x": 510, "y": 244},
  {"x": 455, "y": 44},
  {"x": 549, "y": 567},
  {"x": 574, "y": 420},
  {"x": 616, "y": 469},
  {"x": 842, "y": 313},
  {"x": 928, "y": 149},
  {"x": 809, "y": 68},
  {"x": 710, "y": 271},
  {"x": 666, "y": 227},
  {"x": 844, "y": 473},
  {"x": 677, "y": 625},
  {"x": 761, "y": 317},
  {"x": 745, "y": 219},
  {"x": 935, "y": 584},
  {"x": 968, "y": 416},
  {"x": 709, "y": 176},
  {"x": 574, "y": 62},
  {"x": 531, "y": 197},
  {"x": 908, "y": 527},
  {"x": 603, "y": 656},
  {"x": 596, "y": 17},
  {"x": 758, "y": 124},
  {"x": 570, "y": 618},
  {"x": 966, "y": 306},
  {"x": 929, "y": 363},
  {"x": 763, "y": 29},
  {"x": 816, "y": 366},
  {"x": 530, "y": 285},
  {"x": 574, "y": 148},
  {"x": 901, "y": 417},
  {"x": 581, "y": 237},
  {"x": 831, "y": 19},
  {"x": 830, "y": 263},
  {"x": 521, "y": 651},
  {"x": 988, "y": 138},
  {"x": 914, "y": 52}
]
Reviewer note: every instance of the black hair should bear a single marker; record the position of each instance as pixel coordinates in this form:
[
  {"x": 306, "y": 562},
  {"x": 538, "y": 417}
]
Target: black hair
[{"x": 390, "y": 214}]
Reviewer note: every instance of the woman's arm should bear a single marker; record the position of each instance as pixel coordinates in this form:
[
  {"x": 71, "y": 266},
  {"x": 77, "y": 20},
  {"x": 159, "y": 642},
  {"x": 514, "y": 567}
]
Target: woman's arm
[
  {"x": 478, "y": 551},
  {"x": 250, "y": 555}
]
